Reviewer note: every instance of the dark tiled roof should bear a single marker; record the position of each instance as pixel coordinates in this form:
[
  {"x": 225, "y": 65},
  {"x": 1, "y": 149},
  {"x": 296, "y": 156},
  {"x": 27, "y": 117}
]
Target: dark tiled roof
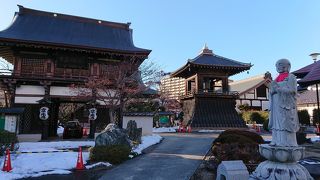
[
  {"x": 11, "y": 110},
  {"x": 312, "y": 77},
  {"x": 207, "y": 59},
  {"x": 215, "y": 113},
  {"x": 39, "y": 27},
  {"x": 300, "y": 73},
  {"x": 307, "y": 97},
  {"x": 215, "y": 60}
]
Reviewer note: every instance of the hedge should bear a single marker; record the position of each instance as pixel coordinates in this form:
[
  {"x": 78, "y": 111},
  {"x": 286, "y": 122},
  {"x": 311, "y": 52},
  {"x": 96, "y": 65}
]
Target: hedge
[
  {"x": 114, "y": 154},
  {"x": 304, "y": 117},
  {"x": 255, "y": 116}
]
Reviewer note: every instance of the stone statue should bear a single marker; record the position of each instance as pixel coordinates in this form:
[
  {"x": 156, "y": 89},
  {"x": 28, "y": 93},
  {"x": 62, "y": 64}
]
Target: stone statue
[
  {"x": 283, "y": 117},
  {"x": 283, "y": 152}
]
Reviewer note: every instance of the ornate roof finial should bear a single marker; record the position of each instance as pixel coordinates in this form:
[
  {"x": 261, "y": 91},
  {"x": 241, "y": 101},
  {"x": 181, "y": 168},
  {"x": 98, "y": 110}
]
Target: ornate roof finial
[
  {"x": 205, "y": 46},
  {"x": 205, "y": 50}
]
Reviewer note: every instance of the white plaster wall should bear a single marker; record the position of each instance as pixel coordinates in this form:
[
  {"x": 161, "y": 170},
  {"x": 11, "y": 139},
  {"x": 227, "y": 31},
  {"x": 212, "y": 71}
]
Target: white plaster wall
[
  {"x": 27, "y": 100},
  {"x": 144, "y": 122},
  {"x": 246, "y": 102},
  {"x": 29, "y": 89},
  {"x": 103, "y": 93},
  {"x": 67, "y": 91},
  {"x": 250, "y": 96},
  {"x": 255, "y": 103},
  {"x": 62, "y": 91},
  {"x": 265, "y": 105}
]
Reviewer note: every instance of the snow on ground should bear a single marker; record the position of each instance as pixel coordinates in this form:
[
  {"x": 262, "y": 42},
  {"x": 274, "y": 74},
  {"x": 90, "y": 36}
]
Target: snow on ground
[
  {"x": 98, "y": 164},
  {"x": 315, "y": 139},
  {"x": 309, "y": 162},
  {"x": 165, "y": 129},
  {"x": 146, "y": 142},
  {"x": 34, "y": 165},
  {"x": 210, "y": 131},
  {"x": 51, "y": 146},
  {"x": 39, "y": 164}
]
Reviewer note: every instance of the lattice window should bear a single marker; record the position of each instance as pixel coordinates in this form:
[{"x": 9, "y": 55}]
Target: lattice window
[
  {"x": 109, "y": 70},
  {"x": 32, "y": 66}
]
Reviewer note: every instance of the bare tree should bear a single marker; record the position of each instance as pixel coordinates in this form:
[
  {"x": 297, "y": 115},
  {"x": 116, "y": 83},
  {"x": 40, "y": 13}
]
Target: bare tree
[{"x": 118, "y": 84}]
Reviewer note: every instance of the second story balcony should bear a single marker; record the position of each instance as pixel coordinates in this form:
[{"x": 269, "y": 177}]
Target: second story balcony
[{"x": 210, "y": 93}]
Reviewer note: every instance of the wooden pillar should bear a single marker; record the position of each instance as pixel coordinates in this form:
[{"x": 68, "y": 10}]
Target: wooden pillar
[
  {"x": 95, "y": 69},
  {"x": 11, "y": 90},
  {"x": 225, "y": 84},
  {"x": 197, "y": 83},
  {"x": 17, "y": 66},
  {"x": 49, "y": 68}
]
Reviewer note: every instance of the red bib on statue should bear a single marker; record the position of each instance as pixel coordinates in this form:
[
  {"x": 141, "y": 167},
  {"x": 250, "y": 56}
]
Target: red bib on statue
[{"x": 282, "y": 76}]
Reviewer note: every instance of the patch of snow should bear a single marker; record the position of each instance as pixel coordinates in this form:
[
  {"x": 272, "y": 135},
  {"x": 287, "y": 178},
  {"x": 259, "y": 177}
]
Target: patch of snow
[
  {"x": 164, "y": 129},
  {"x": 267, "y": 138},
  {"x": 309, "y": 162},
  {"x": 51, "y": 146},
  {"x": 98, "y": 164},
  {"x": 39, "y": 164},
  {"x": 315, "y": 139},
  {"x": 210, "y": 131},
  {"x": 146, "y": 142},
  {"x": 34, "y": 165}
]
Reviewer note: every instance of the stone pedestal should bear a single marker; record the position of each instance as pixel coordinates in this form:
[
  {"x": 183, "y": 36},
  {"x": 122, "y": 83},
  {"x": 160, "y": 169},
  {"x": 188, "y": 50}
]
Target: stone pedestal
[
  {"x": 232, "y": 170},
  {"x": 281, "y": 164}
]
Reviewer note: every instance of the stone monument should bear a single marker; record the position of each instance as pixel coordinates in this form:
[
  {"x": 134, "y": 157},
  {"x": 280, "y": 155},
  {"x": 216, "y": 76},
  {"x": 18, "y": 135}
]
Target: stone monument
[
  {"x": 112, "y": 135},
  {"x": 283, "y": 152},
  {"x": 133, "y": 132}
]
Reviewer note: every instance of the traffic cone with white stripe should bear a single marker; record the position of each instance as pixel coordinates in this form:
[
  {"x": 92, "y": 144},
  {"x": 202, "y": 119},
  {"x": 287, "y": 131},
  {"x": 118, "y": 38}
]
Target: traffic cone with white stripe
[
  {"x": 189, "y": 129},
  {"x": 7, "y": 162},
  {"x": 80, "y": 165}
]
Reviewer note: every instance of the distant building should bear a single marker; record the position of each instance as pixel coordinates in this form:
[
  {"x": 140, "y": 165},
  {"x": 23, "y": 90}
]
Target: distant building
[
  {"x": 307, "y": 100},
  {"x": 253, "y": 91},
  {"x": 173, "y": 87}
]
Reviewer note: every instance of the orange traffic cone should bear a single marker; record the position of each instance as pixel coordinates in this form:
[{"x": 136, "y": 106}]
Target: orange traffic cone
[
  {"x": 80, "y": 165},
  {"x": 85, "y": 132},
  {"x": 189, "y": 129},
  {"x": 7, "y": 162}
]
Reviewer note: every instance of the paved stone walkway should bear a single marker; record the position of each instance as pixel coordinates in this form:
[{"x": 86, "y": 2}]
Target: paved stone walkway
[{"x": 176, "y": 158}]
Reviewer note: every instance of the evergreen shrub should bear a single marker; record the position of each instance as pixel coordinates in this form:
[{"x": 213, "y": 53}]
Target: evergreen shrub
[
  {"x": 114, "y": 154},
  {"x": 8, "y": 140},
  {"x": 304, "y": 117}
]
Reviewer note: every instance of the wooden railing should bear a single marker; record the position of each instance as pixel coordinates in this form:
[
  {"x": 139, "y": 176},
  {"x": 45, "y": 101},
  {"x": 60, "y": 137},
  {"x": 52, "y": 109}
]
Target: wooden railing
[
  {"x": 59, "y": 73},
  {"x": 212, "y": 93}
]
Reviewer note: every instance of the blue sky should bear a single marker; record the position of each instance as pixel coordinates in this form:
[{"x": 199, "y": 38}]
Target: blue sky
[{"x": 260, "y": 32}]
